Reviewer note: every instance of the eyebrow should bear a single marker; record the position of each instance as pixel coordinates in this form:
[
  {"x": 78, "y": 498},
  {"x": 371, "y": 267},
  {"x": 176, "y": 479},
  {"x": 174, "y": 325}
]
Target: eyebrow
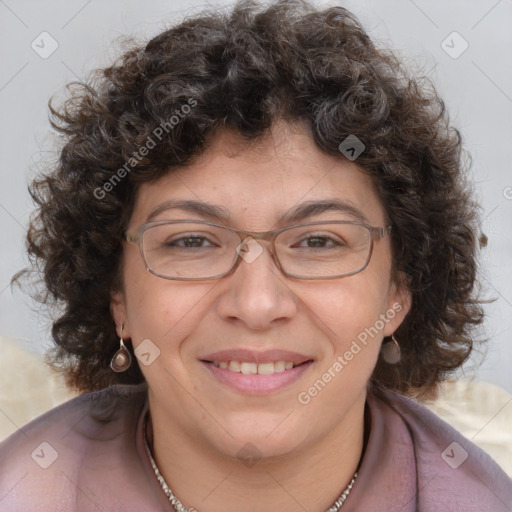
[
  {"x": 297, "y": 214},
  {"x": 311, "y": 208}
]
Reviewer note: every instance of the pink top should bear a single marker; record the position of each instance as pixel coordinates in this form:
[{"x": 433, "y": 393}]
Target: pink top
[{"x": 89, "y": 455}]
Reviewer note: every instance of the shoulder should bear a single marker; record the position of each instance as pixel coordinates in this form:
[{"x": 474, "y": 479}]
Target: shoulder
[
  {"x": 452, "y": 472},
  {"x": 49, "y": 456}
]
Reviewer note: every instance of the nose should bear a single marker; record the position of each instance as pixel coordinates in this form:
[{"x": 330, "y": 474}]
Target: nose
[{"x": 257, "y": 293}]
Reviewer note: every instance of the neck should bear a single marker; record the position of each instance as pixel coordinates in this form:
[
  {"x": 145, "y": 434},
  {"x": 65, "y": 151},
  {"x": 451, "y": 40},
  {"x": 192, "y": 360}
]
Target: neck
[{"x": 311, "y": 478}]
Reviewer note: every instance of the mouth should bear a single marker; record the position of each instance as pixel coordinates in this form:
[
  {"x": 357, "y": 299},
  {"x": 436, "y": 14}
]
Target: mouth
[
  {"x": 250, "y": 368},
  {"x": 253, "y": 373}
]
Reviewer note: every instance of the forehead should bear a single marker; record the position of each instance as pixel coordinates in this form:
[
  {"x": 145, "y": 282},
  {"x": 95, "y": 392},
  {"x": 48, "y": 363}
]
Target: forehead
[{"x": 257, "y": 183}]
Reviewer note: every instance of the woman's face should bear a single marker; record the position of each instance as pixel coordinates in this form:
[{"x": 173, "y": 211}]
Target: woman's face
[{"x": 336, "y": 325}]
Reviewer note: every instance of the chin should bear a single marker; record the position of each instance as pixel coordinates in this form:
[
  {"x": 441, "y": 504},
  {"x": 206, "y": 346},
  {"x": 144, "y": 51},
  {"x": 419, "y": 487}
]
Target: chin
[{"x": 259, "y": 439}]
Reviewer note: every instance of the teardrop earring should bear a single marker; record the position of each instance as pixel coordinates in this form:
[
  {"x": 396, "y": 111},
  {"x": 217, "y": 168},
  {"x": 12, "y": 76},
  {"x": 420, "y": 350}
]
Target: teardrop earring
[
  {"x": 122, "y": 359},
  {"x": 391, "y": 352}
]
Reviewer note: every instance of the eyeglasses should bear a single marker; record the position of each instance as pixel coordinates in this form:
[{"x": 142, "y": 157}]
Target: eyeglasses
[{"x": 190, "y": 250}]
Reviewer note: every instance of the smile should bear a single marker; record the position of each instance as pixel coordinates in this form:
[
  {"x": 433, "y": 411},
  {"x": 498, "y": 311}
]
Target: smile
[
  {"x": 253, "y": 368},
  {"x": 256, "y": 379}
]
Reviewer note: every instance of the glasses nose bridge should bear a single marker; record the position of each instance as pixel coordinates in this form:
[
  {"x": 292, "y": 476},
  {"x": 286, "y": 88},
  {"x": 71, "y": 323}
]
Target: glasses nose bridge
[{"x": 266, "y": 236}]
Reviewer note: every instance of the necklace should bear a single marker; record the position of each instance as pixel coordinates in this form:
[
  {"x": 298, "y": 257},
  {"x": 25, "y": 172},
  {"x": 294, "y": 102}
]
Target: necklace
[{"x": 179, "y": 507}]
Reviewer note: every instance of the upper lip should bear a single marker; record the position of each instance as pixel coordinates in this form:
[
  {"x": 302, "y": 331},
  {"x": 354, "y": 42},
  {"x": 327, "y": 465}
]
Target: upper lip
[{"x": 252, "y": 356}]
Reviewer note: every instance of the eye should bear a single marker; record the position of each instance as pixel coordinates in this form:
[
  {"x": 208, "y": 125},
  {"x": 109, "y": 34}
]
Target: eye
[
  {"x": 319, "y": 241},
  {"x": 189, "y": 241}
]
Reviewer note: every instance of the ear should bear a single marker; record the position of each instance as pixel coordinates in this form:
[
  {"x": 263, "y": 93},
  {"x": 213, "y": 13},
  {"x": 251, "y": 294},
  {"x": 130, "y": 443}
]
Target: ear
[
  {"x": 118, "y": 310},
  {"x": 399, "y": 303}
]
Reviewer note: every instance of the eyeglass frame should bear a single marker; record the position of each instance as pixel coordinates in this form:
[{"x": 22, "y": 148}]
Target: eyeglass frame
[{"x": 269, "y": 236}]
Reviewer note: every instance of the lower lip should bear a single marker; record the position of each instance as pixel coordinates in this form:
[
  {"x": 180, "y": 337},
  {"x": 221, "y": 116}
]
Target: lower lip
[{"x": 255, "y": 384}]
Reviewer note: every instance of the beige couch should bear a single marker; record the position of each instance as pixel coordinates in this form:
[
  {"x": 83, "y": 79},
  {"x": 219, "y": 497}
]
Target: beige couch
[
  {"x": 480, "y": 411},
  {"x": 28, "y": 387}
]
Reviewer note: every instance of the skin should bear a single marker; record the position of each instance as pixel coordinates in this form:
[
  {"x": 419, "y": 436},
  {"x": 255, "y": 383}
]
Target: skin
[{"x": 309, "y": 453}]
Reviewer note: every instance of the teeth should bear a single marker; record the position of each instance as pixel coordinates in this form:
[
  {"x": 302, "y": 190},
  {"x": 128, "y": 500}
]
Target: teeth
[
  {"x": 234, "y": 366},
  {"x": 266, "y": 368},
  {"x": 254, "y": 368},
  {"x": 248, "y": 368},
  {"x": 279, "y": 366}
]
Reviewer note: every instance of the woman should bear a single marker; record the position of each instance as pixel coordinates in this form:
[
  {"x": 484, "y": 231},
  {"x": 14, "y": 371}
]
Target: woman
[{"x": 264, "y": 248}]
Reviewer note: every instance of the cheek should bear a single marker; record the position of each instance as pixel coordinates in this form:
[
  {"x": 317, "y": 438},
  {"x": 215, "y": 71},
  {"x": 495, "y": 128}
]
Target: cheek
[
  {"x": 352, "y": 303},
  {"x": 348, "y": 312},
  {"x": 150, "y": 303},
  {"x": 163, "y": 311}
]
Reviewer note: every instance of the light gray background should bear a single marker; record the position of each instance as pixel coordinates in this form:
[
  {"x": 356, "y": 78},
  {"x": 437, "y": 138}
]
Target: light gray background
[{"x": 477, "y": 87}]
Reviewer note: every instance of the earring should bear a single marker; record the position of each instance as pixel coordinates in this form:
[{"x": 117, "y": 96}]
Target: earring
[
  {"x": 391, "y": 352},
  {"x": 122, "y": 358}
]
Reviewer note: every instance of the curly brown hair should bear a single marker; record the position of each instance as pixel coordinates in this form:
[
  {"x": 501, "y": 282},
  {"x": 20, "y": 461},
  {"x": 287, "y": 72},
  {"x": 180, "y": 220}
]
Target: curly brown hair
[{"x": 245, "y": 69}]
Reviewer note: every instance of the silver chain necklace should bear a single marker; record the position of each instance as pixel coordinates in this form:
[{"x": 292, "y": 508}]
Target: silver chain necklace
[{"x": 179, "y": 507}]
